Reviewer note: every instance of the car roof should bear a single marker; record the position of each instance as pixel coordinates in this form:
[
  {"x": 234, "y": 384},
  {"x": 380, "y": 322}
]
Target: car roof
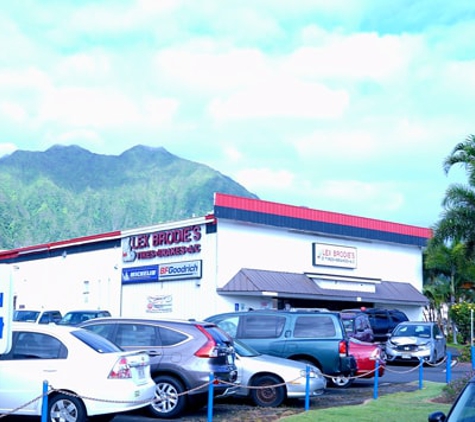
[
  {"x": 42, "y": 328},
  {"x": 145, "y": 320}
]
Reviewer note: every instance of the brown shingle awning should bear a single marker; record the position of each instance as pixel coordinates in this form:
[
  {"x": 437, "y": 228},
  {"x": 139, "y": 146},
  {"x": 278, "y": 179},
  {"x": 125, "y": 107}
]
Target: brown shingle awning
[{"x": 252, "y": 282}]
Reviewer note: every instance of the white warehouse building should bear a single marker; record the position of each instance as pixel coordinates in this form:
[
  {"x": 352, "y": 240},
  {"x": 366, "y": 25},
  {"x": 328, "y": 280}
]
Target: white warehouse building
[{"x": 247, "y": 253}]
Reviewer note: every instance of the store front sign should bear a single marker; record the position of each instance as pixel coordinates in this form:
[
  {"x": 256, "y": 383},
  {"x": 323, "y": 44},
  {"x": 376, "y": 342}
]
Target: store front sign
[
  {"x": 179, "y": 270},
  {"x": 162, "y": 244},
  {"x": 334, "y": 255}
]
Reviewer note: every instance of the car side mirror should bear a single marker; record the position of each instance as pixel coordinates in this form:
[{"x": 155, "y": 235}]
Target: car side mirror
[{"x": 437, "y": 417}]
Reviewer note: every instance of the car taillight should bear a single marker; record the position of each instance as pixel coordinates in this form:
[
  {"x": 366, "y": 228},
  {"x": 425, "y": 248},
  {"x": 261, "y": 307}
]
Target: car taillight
[
  {"x": 209, "y": 349},
  {"x": 120, "y": 370},
  {"x": 343, "y": 348}
]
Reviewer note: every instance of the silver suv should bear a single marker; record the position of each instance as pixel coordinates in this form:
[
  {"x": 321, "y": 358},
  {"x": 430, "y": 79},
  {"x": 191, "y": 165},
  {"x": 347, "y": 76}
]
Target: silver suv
[{"x": 182, "y": 355}]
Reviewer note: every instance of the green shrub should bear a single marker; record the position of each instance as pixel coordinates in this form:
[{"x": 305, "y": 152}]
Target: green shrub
[
  {"x": 451, "y": 391},
  {"x": 460, "y": 313}
]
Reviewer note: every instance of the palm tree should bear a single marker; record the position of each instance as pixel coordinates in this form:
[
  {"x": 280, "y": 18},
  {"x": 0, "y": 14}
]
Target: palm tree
[{"x": 457, "y": 223}]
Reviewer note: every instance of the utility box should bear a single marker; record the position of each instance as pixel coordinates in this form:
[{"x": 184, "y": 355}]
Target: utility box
[{"x": 6, "y": 308}]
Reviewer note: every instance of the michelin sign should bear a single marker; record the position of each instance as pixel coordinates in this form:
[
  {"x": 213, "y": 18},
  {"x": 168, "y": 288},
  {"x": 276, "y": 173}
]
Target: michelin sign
[{"x": 163, "y": 272}]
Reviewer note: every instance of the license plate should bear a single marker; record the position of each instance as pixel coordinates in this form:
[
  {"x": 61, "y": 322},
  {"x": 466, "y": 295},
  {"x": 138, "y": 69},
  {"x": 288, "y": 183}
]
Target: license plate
[
  {"x": 230, "y": 359},
  {"x": 141, "y": 372},
  {"x": 406, "y": 356}
]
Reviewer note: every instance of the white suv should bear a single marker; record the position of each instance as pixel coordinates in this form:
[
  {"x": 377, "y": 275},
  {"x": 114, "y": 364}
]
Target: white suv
[{"x": 37, "y": 316}]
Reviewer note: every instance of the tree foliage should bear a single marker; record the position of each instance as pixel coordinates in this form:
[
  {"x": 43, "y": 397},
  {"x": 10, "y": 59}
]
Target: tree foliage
[{"x": 68, "y": 192}]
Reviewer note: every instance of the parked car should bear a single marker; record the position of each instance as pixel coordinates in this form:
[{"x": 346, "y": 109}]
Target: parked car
[
  {"x": 462, "y": 410},
  {"x": 317, "y": 338},
  {"x": 183, "y": 354},
  {"x": 383, "y": 321},
  {"x": 415, "y": 341},
  {"x": 76, "y": 364},
  {"x": 77, "y": 317},
  {"x": 268, "y": 380},
  {"x": 357, "y": 325},
  {"x": 37, "y": 316}
]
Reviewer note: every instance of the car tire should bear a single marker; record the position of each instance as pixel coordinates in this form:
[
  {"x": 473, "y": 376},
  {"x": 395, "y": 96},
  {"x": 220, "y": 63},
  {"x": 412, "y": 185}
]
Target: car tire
[
  {"x": 169, "y": 401},
  {"x": 341, "y": 381},
  {"x": 63, "y": 407},
  {"x": 265, "y": 394}
]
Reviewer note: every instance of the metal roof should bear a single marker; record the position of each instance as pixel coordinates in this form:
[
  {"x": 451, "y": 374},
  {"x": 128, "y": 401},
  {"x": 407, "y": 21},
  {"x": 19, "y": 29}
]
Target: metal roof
[
  {"x": 295, "y": 285},
  {"x": 316, "y": 221}
]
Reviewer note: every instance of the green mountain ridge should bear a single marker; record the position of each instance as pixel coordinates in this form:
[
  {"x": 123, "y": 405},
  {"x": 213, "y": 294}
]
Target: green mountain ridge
[{"x": 67, "y": 192}]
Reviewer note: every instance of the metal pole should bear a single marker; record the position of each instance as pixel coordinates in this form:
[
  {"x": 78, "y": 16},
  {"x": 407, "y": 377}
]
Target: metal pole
[
  {"x": 448, "y": 368},
  {"x": 376, "y": 380},
  {"x": 44, "y": 403},
  {"x": 307, "y": 388},
  {"x": 421, "y": 373},
  {"x": 210, "y": 397}
]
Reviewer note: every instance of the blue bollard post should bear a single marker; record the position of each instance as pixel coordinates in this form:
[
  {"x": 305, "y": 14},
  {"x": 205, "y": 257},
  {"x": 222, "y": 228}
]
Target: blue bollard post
[
  {"x": 421, "y": 373},
  {"x": 448, "y": 368},
  {"x": 210, "y": 397},
  {"x": 44, "y": 403},
  {"x": 472, "y": 349},
  {"x": 307, "y": 388},
  {"x": 376, "y": 380}
]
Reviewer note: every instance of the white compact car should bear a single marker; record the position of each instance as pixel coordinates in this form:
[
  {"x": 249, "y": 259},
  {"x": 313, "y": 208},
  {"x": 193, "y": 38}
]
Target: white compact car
[
  {"x": 87, "y": 375},
  {"x": 270, "y": 380}
]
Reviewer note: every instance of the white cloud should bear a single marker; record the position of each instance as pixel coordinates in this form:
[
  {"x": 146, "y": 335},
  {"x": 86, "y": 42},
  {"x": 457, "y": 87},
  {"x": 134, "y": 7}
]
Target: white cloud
[
  {"x": 262, "y": 178},
  {"x": 281, "y": 99},
  {"x": 13, "y": 111}
]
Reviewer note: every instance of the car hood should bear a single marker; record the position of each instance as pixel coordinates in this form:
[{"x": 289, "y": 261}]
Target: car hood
[{"x": 401, "y": 341}]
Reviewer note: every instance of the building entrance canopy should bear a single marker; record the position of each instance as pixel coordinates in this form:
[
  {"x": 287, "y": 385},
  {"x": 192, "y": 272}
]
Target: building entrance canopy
[{"x": 252, "y": 282}]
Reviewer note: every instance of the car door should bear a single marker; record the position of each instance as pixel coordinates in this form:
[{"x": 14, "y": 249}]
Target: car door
[
  {"x": 33, "y": 359},
  {"x": 141, "y": 336}
]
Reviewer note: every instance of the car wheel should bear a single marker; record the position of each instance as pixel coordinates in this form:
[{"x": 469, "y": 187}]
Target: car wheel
[
  {"x": 265, "y": 394},
  {"x": 62, "y": 407},
  {"x": 169, "y": 401},
  {"x": 341, "y": 381}
]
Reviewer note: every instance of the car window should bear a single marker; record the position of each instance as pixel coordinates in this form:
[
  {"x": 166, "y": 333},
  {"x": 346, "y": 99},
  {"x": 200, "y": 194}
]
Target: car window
[
  {"x": 136, "y": 335},
  {"x": 30, "y": 316},
  {"x": 229, "y": 325},
  {"x": 104, "y": 330},
  {"x": 260, "y": 326},
  {"x": 29, "y": 345},
  {"x": 310, "y": 327},
  {"x": 170, "y": 337},
  {"x": 95, "y": 341},
  {"x": 398, "y": 317},
  {"x": 349, "y": 325}
]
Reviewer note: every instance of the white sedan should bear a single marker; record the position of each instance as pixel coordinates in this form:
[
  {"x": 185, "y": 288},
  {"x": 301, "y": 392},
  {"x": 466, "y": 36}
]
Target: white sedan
[
  {"x": 87, "y": 375},
  {"x": 270, "y": 380}
]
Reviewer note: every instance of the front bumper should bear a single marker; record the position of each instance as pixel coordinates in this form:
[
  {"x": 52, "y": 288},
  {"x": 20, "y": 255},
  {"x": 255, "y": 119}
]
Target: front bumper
[{"x": 393, "y": 354}]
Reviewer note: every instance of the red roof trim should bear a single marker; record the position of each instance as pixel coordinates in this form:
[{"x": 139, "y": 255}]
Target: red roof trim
[
  {"x": 267, "y": 207},
  {"x": 13, "y": 253}
]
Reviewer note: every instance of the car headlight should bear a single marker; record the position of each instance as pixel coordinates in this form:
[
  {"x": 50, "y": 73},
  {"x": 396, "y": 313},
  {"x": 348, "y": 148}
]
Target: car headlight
[
  {"x": 424, "y": 346},
  {"x": 313, "y": 373}
]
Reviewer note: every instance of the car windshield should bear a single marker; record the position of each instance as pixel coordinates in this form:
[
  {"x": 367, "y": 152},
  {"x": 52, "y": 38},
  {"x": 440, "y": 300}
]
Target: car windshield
[
  {"x": 26, "y": 316},
  {"x": 412, "y": 330},
  {"x": 244, "y": 350},
  {"x": 464, "y": 409},
  {"x": 349, "y": 324},
  {"x": 95, "y": 341}
]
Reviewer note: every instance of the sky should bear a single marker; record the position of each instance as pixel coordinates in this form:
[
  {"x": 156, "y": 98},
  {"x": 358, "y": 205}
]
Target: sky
[{"x": 348, "y": 106}]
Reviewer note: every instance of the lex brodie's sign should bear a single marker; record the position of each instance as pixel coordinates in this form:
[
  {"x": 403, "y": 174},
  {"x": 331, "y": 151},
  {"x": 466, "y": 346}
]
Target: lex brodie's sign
[{"x": 334, "y": 255}]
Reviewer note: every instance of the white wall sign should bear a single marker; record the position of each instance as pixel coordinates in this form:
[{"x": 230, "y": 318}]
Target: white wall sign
[{"x": 334, "y": 255}]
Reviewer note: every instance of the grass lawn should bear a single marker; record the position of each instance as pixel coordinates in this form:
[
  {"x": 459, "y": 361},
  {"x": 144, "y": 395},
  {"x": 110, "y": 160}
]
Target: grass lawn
[{"x": 406, "y": 407}]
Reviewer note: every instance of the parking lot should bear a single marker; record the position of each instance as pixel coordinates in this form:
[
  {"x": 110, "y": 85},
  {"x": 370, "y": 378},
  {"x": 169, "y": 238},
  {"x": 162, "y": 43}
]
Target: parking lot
[{"x": 398, "y": 378}]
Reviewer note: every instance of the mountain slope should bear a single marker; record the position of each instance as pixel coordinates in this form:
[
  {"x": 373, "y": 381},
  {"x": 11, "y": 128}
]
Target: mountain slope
[{"x": 67, "y": 191}]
